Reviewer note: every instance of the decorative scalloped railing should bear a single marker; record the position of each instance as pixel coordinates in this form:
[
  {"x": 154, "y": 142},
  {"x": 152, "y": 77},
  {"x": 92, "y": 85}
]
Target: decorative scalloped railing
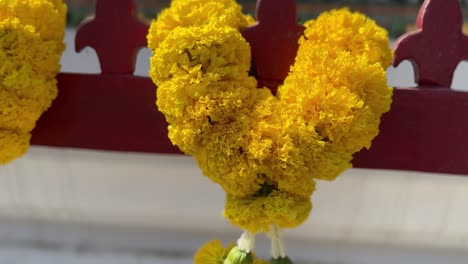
[{"x": 424, "y": 131}]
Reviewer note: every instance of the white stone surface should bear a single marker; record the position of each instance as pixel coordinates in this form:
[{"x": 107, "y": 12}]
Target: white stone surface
[{"x": 387, "y": 209}]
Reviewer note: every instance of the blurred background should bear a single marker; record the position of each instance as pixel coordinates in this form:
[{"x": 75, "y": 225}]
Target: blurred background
[
  {"x": 90, "y": 207},
  {"x": 396, "y": 15}
]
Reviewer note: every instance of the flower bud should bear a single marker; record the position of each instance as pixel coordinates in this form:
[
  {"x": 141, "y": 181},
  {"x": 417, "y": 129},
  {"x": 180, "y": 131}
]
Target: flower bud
[
  {"x": 238, "y": 256},
  {"x": 281, "y": 260}
]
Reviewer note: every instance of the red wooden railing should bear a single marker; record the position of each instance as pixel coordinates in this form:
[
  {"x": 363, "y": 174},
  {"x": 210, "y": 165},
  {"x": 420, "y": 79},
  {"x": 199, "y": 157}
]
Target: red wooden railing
[
  {"x": 113, "y": 110},
  {"x": 425, "y": 130}
]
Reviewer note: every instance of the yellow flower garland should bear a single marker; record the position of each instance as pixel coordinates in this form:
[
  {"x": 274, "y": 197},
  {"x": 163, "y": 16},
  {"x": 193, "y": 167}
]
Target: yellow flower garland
[
  {"x": 31, "y": 43},
  {"x": 267, "y": 150}
]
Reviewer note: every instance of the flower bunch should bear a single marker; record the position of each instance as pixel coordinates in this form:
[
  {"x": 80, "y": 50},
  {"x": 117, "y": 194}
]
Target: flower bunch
[
  {"x": 31, "y": 43},
  {"x": 266, "y": 150}
]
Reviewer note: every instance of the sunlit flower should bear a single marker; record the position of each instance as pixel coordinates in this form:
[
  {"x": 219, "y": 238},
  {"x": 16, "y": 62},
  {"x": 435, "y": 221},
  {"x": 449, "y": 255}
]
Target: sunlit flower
[
  {"x": 256, "y": 213},
  {"x": 191, "y": 14},
  {"x": 31, "y": 43},
  {"x": 266, "y": 150},
  {"x": 212, "y": 252}
]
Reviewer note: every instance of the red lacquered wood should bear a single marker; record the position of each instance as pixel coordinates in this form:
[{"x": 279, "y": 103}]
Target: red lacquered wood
[
  {"x": 113, "y": 110},
  {"x": 104, "y": 112},
  {"x": 115, "y": 33},
  {"x": 438, "y": 46},
  {"x": 426, "y": 130},
  {"x": 274, "y": 41}
]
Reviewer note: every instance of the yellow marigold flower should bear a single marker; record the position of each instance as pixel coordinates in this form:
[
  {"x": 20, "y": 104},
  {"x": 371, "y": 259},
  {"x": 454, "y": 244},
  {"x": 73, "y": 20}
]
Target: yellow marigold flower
[
  {"x": 345, "y": 104},
  {"x": 193, "y": 112},
  {"x": 280, "y": 141},
  {"x": 202, "y": 55},
  {"x": 194, "y": 13},
  {"x": 353, "y": 32},
  {"x": 26, "y": 57},
  {"x": 18, "y": 114},
  {"x": 256, "y": 213},
  {"x": 12, "y": 145},
  {"x": 228, "y": 167},
  {"x": 212, "y": 252},
  {"x": 48, "y": 17},
  {"x": 31, "y": 44}
]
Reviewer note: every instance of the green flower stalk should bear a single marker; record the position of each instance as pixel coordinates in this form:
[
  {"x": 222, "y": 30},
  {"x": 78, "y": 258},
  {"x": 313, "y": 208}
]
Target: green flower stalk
[{"x": 239, "y": 256}]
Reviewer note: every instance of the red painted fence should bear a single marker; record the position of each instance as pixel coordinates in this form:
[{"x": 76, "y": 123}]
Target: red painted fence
[{"x": 426, "y": 129}]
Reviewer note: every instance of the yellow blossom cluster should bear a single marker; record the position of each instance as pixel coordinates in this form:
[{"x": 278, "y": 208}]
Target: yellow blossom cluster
[
  {"x": 31, "y": 43},
  {"x": 266, "y": 150},
  {"x": 341, "y": 60}
]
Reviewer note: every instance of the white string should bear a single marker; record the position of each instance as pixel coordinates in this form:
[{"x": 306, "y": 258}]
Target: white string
[
  {"x": 277, "y": 246},
  {"x": 246, "y": 242}
]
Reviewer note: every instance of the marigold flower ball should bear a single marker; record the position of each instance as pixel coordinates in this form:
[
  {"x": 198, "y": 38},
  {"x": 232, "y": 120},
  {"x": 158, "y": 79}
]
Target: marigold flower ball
[
  {"x": 266, "y": 150},
  {"x": 31, "y": 43}
]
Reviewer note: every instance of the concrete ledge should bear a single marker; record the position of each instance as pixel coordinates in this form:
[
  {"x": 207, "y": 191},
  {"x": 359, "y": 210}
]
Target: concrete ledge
[{"x": 169, "y": 193}]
